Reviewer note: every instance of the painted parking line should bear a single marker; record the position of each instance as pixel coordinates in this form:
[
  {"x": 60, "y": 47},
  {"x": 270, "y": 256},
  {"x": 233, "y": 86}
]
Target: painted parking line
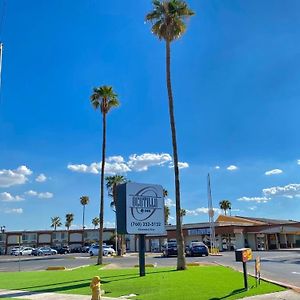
[{"x": 297, "y": 273}]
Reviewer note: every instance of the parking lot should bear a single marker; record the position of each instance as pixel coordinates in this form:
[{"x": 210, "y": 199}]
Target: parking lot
[{"x": 283, "y": 266}]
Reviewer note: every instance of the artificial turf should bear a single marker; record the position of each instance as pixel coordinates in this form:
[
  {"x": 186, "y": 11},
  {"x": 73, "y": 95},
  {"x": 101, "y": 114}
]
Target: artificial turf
[{"x": 204, "y": 282}]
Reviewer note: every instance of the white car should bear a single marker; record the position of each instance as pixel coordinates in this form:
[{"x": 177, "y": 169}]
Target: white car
[
  {"x": 107, "y": 250},
  {"x": 14, "y": 249},
  {"x": 23, "y": 251}
]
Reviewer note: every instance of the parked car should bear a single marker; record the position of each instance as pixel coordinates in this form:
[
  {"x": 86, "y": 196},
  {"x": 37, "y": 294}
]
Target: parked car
[
  {"x": 14, "y": 249},
  {"x": 23, "y": 251},
  {"x": 107, "y": 250},
  {"x": 62, "y": 250},
  {"x": 170, "y": 249},
  {"x": 197, "y": 248},
  {"x": 44, "y": 251}
]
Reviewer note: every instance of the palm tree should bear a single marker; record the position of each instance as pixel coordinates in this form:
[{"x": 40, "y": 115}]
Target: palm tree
[
  {"x": 84, "y": 200},
  {"x": 55, "y": 222},
  {"x": 103, "y": 98},
  {"x": 167, "y": 214},
  {"x": 225, "y": 205},
  {"x": 111, "y": 183},
  {"x": 182, "y": 213},
  {"x": 69, "y": 220},
  {"x": 166, "y": 208},
  {"x": 168, "y": 19},
  {"x": 96, "y": 222}
]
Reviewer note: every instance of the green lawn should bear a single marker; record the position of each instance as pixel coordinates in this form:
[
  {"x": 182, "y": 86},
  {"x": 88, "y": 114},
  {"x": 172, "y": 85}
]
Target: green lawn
[{"x": 209, "y": 282}]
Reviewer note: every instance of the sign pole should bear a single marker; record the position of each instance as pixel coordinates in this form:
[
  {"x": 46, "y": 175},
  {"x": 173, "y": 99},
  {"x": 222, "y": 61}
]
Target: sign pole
[
  {"x": 142, "y": 254},
  {"x": 19, "y": 253},
  {"x": 245, "y": 275}
]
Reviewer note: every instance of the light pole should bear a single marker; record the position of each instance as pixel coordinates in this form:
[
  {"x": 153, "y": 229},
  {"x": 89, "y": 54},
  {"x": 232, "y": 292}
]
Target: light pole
[{"x": 116, "y": 235}]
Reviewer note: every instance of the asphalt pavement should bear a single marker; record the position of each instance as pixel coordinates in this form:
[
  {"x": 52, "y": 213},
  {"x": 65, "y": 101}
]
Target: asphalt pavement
[{"x": 282, "y": 266}]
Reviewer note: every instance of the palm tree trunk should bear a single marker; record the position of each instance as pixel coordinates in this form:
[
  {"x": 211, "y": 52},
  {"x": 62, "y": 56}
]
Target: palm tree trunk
[
  {"x": 101, "y": 216},
  {"x": 181, "y": 263},
  {"x": 83, "y": 211},
  {"x": 114, "y": 190}
]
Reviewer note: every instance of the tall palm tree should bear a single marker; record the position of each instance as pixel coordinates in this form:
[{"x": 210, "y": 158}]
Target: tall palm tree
[
  {"x": 96, "y": 222},
  {"x": 225, "y": 205},
  {"x": 84, "y": 200},
  {"x": 168, "y": 19},
  {"x": 69, "y": 220},
  {"x": 111, "y": 184},
  {"x": 103, "y": 98},
  {"x": 55, "y": 222}
]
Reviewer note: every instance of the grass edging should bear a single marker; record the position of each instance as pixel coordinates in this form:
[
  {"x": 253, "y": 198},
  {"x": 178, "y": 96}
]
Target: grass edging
[{"x": 282, "y": 284}]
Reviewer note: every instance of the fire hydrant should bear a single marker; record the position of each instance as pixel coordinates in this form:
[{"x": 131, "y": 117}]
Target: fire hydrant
[{"x": 95, "y": 287}]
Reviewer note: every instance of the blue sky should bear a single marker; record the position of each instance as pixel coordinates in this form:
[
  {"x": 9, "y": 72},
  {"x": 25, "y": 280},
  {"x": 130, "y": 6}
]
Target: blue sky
[{"x": 236, "y": 87}]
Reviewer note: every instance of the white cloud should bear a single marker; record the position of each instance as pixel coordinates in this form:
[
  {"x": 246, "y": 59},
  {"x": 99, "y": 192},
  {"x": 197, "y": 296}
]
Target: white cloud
[
  {"x": 273, "y": 172},
  {"x": 13, "y": 177},
  {"x": 117, "y": 159},
  {"x": 95, "y": 168},
  {"x": 232, "y": 168},
  {"x": 31, "y": 193},
  {"x": 252, "y": 207},
  {"x": 254, "y": 199},
  {"x": 14, "y": 211},
  {"x": 109, "y": 224},
  {"x": 289, "y": 191},
  {"x": 169, "y": 202},
  {"x": 116, "y": 168},
  {"x": 117, "y": 164},
  {"x": 217, "y": 167},
  {"x": 298, "y": 161},
  {"x": 44, "y": 195},
  {"x": 181, "y": 165},
  {"x": 7, "y": 197},
  {"x": 41, "y": 178},
  {"x": 201, "y": 210},
  {"x": 146, "y": 160}
]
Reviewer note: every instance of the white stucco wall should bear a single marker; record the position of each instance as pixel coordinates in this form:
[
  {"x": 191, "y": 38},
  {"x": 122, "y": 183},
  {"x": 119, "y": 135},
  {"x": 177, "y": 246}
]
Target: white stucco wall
[
  {"x": 45, "y": 238},
  {"x": 239, "y": 240},
  {"x": 251, "y": 241},
  {"x": 75, "y": 237},
  {"x": 13, "y": 239}
]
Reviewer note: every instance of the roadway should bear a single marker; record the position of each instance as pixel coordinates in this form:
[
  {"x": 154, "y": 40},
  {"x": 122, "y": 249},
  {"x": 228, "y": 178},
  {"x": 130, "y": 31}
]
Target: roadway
[{"x": 283, "y": 266}]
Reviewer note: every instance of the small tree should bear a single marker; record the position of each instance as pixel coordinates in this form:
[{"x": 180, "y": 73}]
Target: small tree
[
  {"x": 225, "y": 205},
  {"x": 96, "y": 222},
  {"x": 69, "y": 220},
  {"x": 111, "y": 184},
  {"x": 55, "y": 222}
]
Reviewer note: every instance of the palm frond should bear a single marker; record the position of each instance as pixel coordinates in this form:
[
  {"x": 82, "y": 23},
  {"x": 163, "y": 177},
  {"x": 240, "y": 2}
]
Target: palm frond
[{"x": 168, "y": 19}]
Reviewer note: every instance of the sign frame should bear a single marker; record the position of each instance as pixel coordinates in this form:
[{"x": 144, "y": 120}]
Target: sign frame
[{"x": 140, "y": 209}]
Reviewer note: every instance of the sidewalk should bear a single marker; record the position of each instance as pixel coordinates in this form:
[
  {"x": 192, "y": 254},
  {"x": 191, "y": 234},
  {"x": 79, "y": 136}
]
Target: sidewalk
[
  {"x": 286, "y": 295},
  {"x": 46, "y": 296}
]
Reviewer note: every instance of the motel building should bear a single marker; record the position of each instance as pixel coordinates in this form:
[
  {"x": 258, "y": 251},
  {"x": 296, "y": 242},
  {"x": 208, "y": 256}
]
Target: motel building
[{"x": 232, "y": 232}]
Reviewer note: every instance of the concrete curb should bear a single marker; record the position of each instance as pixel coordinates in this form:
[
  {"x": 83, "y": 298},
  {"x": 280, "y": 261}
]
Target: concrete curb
[{"x": 285, "y": 285}]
